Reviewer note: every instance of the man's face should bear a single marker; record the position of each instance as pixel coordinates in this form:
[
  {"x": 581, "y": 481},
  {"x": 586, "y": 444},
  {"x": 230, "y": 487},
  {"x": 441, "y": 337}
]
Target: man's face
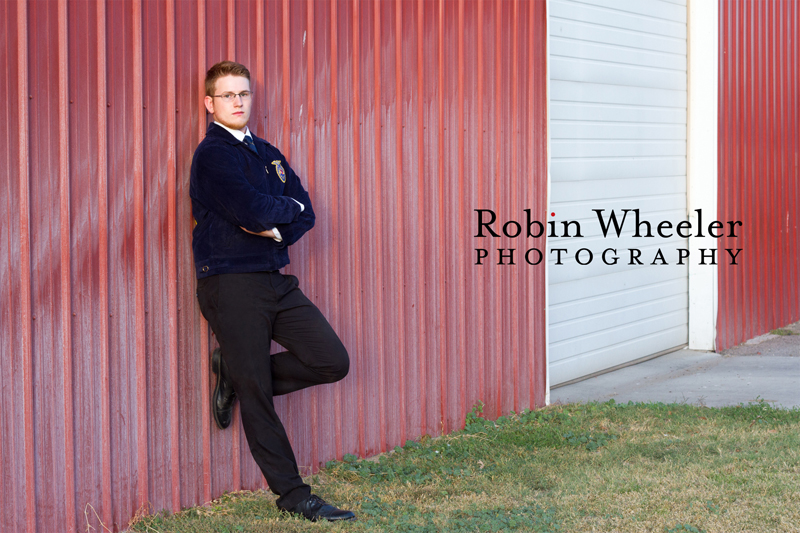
[{"x": 233, "y": 114}]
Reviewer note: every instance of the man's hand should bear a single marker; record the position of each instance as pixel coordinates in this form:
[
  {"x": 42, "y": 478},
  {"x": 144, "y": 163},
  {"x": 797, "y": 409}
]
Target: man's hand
[{"x": 265, "y": 233}]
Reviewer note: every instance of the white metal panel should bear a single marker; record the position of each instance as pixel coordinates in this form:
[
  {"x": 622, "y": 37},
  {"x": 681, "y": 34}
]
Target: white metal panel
[{"x": 618, "y": 141}]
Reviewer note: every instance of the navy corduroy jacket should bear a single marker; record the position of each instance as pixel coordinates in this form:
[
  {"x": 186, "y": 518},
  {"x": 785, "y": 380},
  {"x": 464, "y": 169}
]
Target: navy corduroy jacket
[{"x": 231, "y": 186}]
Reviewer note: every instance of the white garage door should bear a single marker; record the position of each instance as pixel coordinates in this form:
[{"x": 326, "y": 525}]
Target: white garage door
[{"x": 618, "y": 141}]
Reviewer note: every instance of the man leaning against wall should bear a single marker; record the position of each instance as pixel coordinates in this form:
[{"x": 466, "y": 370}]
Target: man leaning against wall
[{"x": 250, "y": 207}]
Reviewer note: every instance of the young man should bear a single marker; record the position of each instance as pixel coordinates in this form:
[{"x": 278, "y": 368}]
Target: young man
[{"x": 249, "y": 207}]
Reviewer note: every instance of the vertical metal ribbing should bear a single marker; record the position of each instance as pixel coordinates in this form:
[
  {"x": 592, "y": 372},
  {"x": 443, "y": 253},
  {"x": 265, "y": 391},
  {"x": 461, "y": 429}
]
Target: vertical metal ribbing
[
  {"x": 795, "y": 121},
  {"x": 231, "y": 43},
  {"x": 781, "y": 136},
  {"x": 261, "y": 88},
  {"x": 286, "y": 145},
  {"x": 722, "y": 165},
  {"x": 787, "y": 278},
  {"x": 747, "y": 94},
  {"x": 516, "y": 334},
  {"x": 775, "y": 191},
  {"x": 440, "y": 104},
  {"x": 25, "y": 271},
  {"x": 481, "y": 184},
  {"x": 737, "y": 161},
  {"x": 498, "y": 286},
  {"x": 377, "y": 201},
  {"x": 172, "y": 260},
  {"x": 531, "y": 296},
  {"x": 542, "y": 91},
  {"x": 792, "y": 89},
  {"x": 260, "y": 85},
  {"x": 236, "y": 425},
  {"x": 756, "y": 174},
  {"x": 737, "y": 164},
  {"x": 460, "y": 282},
  {"x": 744, "y": 92},
  {"x": 731, "y": 165},
  {"x": 334, "y": 87},
  {"x": 421, "y": 258},
  {"x": 401, "y": 303},
  {"x": 767, "y": 192},
  {"x": 440, "y": 277},
  {"x": 205, "y": 395},
  {"x": 758, "y": 190},
  {"x": 139, "y": 282},
  {"x": 311, "y": 149},
  {"x": 356, "y": 121},
  {"x": 102, "y": 261},
  {"x": 777, "y": 136},
  {"x": 66, "y": 264}
]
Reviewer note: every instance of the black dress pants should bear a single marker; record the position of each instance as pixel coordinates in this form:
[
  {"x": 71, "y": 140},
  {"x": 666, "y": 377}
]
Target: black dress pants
[{"x": 246, "y": 312}]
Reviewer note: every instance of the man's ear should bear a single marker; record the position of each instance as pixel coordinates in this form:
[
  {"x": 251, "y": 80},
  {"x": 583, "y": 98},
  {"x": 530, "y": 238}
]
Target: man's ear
[{"x": 209, "y": 102}]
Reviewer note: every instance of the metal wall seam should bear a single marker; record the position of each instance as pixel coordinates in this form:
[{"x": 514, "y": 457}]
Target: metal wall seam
[
  {"x": 25, "y": 315},
  {"x": 335, "y": 214},
  {"x": 377, "y": 201},
  {"x": 172, "y": 260},
  {"x": 746, "y": 282},
  {"x": 530, "y": 191},
  {"x": 102, "y": 303},
  {"x": 766, "y": 228},
  {"x": 515, "y": 203},
  {"x": 497, "y": 282},
  {"x": 793, "y": 58},
  {"x": 205, "y": 394},
  {"x": 236, "y": 425},
  {"x": 461, "y": 317},
  {"x": 542, "y": 98},
  {"x": 481, "y": 202},
  {"x": 310, "y": 131},
  {"x": 439, "y": 279},
  {"x": 356, "y": 207},
  {"x": 420, "y": 256},
  {"x": 285, "y": 147},
  {"x": 65, "y": 270},
  {"x": 261, "y": 85},
  {"x": 7, "y": 497},
  {"x": 786, "y": 97},
  {"x": 231, "y": 34},
  {"x": 138, "y": 239},
  {"x": 260, "y": 63},
  {"x": 722, "y": 136},
  {"x": 788, "y": 306}
]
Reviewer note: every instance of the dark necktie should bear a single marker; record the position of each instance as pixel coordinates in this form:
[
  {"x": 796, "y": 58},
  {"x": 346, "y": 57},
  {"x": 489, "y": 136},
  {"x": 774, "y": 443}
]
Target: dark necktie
[{"x": 250, "y": 144}]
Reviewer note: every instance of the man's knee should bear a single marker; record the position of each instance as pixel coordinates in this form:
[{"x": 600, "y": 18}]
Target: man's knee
[{"x": 341, "y": 364}]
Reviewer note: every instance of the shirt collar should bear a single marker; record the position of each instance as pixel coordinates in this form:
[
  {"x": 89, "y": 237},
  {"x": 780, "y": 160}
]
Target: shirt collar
[{"x": 236, "y": 133}]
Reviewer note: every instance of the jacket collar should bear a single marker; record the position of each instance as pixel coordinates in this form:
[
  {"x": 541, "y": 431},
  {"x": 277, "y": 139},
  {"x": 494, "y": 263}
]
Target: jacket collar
[{"x": 217, "y": 131}]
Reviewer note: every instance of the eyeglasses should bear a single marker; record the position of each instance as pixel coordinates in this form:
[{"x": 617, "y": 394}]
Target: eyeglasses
[{"x": 229, "y": 97}]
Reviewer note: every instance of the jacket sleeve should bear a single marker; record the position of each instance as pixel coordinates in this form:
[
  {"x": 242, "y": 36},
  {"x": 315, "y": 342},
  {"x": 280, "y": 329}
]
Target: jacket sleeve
[
  {"x": 292, "y": 232},
  {"x": 224, "y": 189}
]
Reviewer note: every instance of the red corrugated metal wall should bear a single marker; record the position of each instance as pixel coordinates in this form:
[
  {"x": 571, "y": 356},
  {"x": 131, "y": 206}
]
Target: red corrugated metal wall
[
  {"x": 759, "y": 173},
  {"x": 402, "y": 117}
]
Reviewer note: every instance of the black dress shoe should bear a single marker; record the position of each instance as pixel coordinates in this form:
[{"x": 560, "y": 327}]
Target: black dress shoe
[
  {"x": 314, "y": 508},
  {"x": 224, "y": 395}
]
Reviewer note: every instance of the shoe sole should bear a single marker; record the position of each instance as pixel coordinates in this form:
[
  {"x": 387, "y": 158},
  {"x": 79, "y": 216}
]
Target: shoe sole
[{"x": 216, "y": 360}]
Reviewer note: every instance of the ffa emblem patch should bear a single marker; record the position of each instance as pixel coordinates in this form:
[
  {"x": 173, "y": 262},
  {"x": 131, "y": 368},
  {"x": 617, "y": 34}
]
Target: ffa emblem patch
[{"x": 279, "y": 170}]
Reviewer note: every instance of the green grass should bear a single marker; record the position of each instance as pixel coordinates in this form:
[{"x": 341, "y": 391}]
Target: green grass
[
  {"x": 572, "y": 468},
  {"x": 783, "y": 332}
]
